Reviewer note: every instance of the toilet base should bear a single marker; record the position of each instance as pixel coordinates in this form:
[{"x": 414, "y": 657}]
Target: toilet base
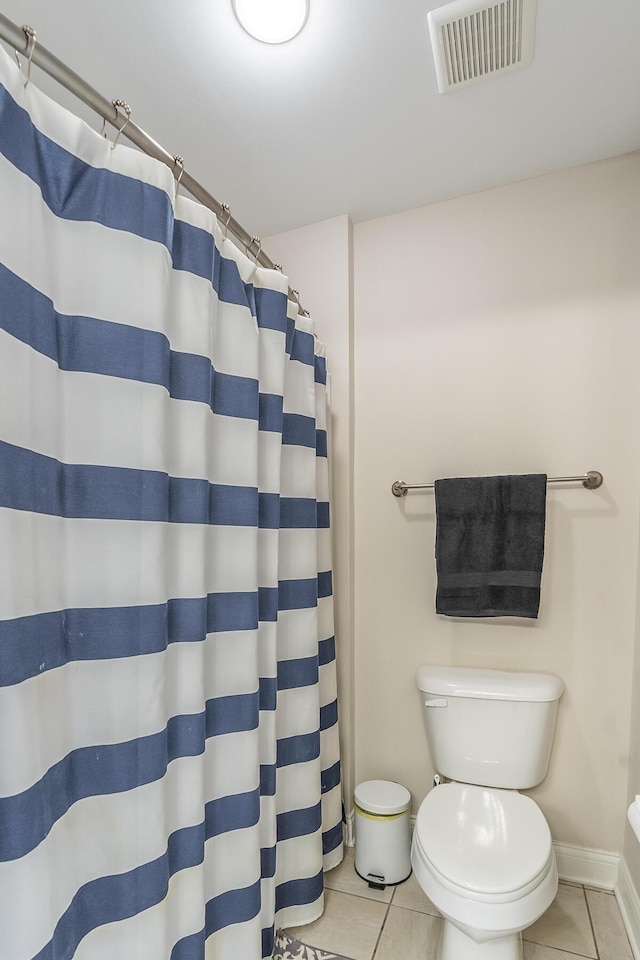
[{"x": 456, "y": 945}]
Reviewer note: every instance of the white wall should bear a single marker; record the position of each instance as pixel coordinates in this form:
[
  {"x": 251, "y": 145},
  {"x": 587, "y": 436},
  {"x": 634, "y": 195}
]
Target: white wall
[
  {"x": 500, "y": 333},
  {"x": 496, "y": 333}
]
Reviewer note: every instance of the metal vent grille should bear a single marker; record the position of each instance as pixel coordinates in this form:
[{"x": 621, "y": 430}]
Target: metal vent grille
[{"x": 472, "y": 41}]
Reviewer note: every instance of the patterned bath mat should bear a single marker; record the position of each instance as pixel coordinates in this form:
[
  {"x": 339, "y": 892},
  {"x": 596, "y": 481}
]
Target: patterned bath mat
[{"x": 286, "y": 948}]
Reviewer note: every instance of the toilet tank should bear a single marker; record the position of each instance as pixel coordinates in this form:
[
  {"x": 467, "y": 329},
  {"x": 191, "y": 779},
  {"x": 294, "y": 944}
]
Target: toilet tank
[{"x": 489, "y": 727}]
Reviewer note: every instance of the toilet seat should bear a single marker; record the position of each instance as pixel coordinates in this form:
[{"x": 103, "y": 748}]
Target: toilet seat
[{"x": 484, "y": 844}]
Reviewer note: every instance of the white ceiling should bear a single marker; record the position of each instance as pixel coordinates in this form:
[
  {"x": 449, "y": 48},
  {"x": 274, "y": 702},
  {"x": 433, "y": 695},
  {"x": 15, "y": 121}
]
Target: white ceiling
[{"x": 346, "y": 118}]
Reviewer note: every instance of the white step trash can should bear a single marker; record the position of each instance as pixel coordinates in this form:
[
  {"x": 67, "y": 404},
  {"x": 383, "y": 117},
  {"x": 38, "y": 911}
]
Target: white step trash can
[{"x": 382, "y": 832}]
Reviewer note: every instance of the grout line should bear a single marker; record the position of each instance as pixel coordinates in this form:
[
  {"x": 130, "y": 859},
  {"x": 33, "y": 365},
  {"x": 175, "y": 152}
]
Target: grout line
[
  {"x": 423, "y": 913},
  {"x": 624, "y": 928},
  {"x": 581, "y": 956},
  {"x": 569, "y": 953},
  {"x": 375, "y": 949},
  {"x": 361, "y": 896},
  {"x": 593, "y": 931}
]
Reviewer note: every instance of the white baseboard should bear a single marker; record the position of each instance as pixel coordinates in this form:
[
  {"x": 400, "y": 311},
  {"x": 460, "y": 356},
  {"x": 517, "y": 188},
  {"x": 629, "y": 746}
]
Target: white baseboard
[
  {"x": 349, "y": 829},
  {"x": 596, "y": 868},
  {"x": 629, "y": 903}
]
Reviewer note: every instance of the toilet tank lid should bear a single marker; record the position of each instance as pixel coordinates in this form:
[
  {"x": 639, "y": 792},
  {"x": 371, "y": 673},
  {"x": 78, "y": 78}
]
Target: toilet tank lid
[{"x": 489, "y": 684}]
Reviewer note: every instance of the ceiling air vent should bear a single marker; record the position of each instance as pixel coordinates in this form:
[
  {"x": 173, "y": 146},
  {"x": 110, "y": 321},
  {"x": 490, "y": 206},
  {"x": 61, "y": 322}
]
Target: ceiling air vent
[{"x": 474, "y": 40}]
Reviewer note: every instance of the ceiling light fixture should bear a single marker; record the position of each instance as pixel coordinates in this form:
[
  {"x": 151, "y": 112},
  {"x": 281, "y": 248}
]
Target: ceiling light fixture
[{"x": 272, "y": 21}]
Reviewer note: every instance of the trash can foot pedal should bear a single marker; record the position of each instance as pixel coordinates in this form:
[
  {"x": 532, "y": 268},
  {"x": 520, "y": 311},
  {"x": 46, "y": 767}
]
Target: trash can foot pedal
[{"x": 375, "y": 882}]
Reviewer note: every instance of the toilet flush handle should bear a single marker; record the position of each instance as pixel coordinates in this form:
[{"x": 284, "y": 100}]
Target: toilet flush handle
[{"x": 437, "y": 702}]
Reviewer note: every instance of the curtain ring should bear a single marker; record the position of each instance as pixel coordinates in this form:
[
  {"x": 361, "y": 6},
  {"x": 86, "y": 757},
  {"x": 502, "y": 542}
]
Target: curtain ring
[
  {"x": 127, "y": 110},
  {"x": 226, "y": 209},
  {"x": 277, "y": 266},
  {"x": 180, "y": 162},
  {"x": 31, "y": 45},
  {"x": 259, "y": 242},
  {"x": 296, "y": 294}
]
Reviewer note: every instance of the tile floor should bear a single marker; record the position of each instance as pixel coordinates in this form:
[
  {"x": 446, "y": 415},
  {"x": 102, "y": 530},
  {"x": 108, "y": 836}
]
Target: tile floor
[{"x": 401, "y": 922}]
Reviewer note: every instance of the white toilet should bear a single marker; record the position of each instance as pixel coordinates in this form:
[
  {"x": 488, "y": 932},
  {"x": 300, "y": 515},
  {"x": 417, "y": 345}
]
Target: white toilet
[{"x": 482, "y": 851}]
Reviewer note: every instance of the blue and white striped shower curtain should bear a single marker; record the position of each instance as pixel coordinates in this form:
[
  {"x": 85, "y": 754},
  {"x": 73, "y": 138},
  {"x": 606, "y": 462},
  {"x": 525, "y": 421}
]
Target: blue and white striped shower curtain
[{"x": 169, "y": 766}]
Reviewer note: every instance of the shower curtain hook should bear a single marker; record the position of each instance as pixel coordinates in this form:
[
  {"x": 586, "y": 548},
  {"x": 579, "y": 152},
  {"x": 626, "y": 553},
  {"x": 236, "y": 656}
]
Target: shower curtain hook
[
  {"x": 226, "y": 209},
  {"x": 179, "y": 161},
  {"x": 257, "y": 254},
  {"x": 127, "y": 110},
  {"x": 31, "y": 45}
]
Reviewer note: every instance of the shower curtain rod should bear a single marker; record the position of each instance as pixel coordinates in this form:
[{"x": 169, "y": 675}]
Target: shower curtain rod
[
  {"x": 23, "y": 40},
  {"x": 590, "y": 481}
]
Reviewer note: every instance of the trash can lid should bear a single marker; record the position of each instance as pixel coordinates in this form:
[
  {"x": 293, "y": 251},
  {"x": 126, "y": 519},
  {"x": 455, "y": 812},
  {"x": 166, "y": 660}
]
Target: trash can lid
[{"x": 383, "y": 797}]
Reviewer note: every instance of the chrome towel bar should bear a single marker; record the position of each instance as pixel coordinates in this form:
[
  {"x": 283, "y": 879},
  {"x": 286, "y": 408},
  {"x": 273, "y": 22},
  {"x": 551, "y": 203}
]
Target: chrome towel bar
[{"x": 590, "y": 481}]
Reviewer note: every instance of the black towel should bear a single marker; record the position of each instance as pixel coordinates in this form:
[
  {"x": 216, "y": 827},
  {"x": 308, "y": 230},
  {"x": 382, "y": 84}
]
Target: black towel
[{"x": 490, "y": 545}]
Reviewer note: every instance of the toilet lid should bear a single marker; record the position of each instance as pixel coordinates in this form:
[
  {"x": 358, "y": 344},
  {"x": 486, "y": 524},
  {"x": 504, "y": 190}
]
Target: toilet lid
[{"x": 482, "y": 840}]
